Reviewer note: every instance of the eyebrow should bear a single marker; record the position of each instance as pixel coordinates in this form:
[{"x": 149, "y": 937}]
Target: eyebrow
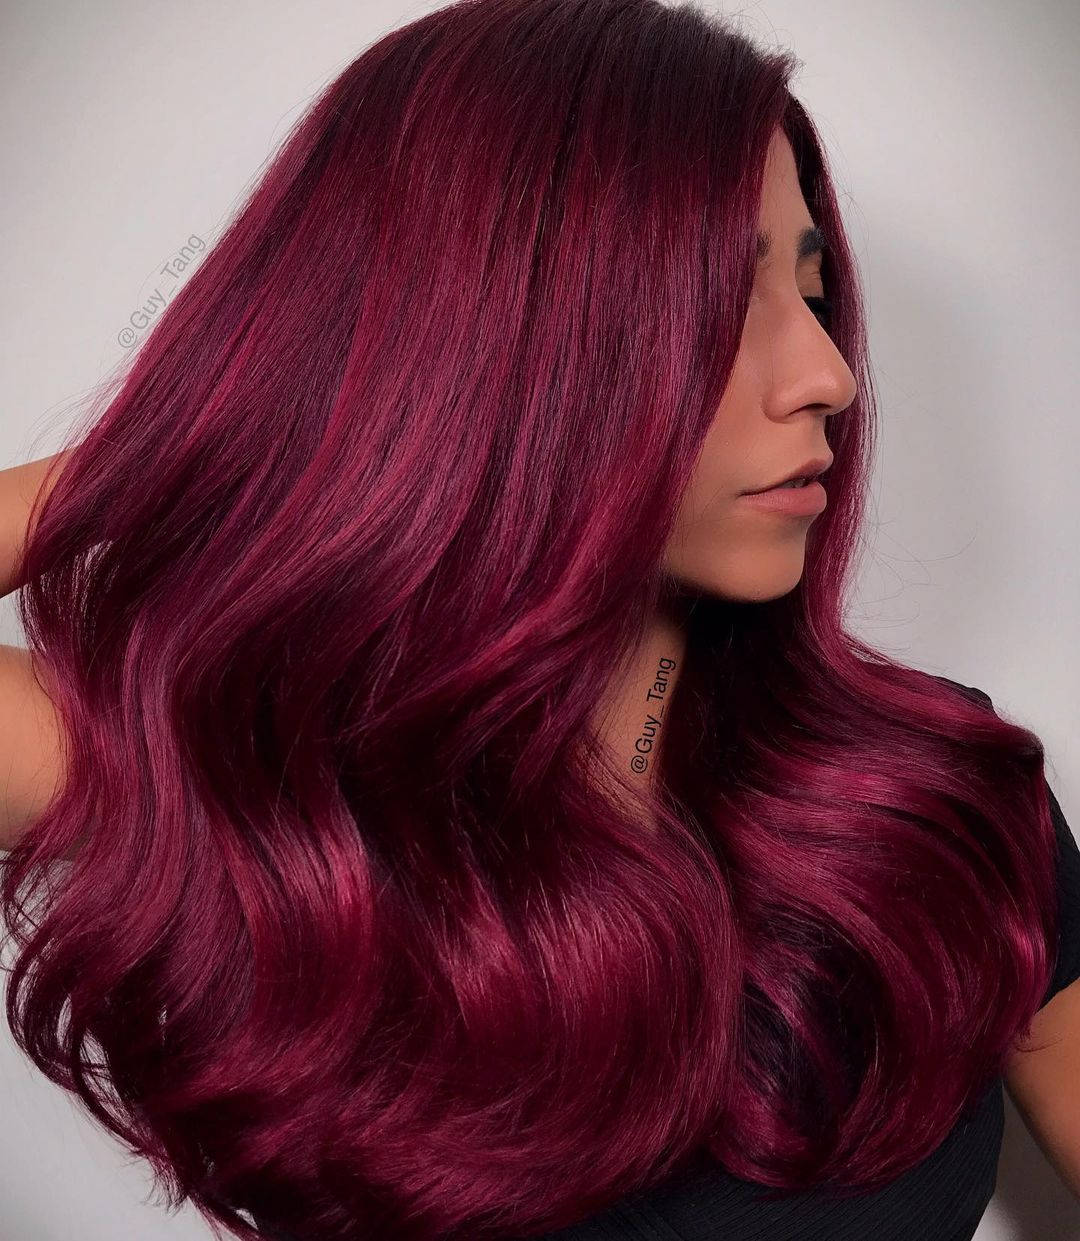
[{"x": 810, "y": 241}]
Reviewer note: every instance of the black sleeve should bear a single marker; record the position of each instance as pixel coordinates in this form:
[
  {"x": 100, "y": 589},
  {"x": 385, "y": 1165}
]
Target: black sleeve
[{"x": 1067, "y": 969}]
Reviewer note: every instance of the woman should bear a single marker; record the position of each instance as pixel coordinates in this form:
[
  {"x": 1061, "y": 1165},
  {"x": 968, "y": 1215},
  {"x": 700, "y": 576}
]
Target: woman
[{"x": 481, "y": 822}]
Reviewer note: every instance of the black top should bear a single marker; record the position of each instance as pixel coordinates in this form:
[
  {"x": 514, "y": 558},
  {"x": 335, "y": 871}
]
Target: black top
[{"x": 943, "y": 1197}]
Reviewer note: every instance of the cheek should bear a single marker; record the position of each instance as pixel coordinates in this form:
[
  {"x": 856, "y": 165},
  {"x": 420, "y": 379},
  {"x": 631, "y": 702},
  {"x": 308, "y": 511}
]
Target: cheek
[
  {"x": 704, "y": 520},
  {"x": 719, "y": 472},
  {"x": 702, "y": 503},
  {"x": 712, "y": 487}
]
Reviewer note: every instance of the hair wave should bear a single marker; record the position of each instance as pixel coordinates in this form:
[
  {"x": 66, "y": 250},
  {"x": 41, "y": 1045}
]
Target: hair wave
[{"x": 325, "y": 595}]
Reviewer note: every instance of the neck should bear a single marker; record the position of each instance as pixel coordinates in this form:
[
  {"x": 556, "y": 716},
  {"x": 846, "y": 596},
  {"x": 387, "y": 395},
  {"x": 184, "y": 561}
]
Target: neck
[{"x": 632, "y": 718}]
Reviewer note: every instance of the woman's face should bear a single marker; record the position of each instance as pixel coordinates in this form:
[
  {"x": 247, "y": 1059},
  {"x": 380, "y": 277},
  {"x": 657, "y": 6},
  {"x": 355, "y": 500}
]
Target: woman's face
[{"x": 788, "y": 378}]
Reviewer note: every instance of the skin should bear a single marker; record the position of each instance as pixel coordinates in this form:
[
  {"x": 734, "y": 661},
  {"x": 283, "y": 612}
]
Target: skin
[{"x": 788, "y": 379}]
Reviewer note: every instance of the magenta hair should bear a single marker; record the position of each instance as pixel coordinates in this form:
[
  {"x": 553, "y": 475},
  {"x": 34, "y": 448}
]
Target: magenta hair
[{"x": 325, "y": 595}]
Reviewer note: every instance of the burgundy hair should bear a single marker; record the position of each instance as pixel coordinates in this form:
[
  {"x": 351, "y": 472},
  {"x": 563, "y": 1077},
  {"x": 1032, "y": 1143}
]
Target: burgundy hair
[{"x": 325, "y": 598}]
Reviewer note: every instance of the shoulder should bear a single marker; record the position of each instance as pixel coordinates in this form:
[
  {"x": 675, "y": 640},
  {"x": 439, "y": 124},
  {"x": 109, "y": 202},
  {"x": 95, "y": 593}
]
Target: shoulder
[
  {"x": 1067, "y": 968},
  {"x": 31, "y": 762}
]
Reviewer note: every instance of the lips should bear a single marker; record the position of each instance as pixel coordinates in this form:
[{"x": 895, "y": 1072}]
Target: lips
[
  {"x": 808, "y": 470},
  {"x": 808, "y": 501}
]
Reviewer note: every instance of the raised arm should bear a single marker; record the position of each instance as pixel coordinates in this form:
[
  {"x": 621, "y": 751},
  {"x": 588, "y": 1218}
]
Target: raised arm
[
  {"x": 30, "y": 752},
  {"x": 19, "y": 484}
]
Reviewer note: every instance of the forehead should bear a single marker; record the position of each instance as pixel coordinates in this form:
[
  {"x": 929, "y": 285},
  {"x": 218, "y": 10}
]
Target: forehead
[
  {"x": 783, "y": 211},
  {"x": 784, "y": 219},
  {"x": 781, "y": 180}
]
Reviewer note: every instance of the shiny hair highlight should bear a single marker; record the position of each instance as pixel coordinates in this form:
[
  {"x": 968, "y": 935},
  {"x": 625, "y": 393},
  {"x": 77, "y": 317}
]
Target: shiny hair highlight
[{"x": 357, "y": 937}]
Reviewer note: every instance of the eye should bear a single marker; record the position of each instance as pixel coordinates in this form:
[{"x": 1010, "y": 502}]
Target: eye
[{"x": 823, "y": 308}]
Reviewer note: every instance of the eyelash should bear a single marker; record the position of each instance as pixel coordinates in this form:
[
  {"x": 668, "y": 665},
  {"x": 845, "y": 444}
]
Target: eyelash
[{"x": 823, "y": 308}]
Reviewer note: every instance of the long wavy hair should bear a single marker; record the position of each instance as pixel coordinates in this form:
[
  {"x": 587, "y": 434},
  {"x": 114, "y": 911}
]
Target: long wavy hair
[{"x": 355, "y": 935}]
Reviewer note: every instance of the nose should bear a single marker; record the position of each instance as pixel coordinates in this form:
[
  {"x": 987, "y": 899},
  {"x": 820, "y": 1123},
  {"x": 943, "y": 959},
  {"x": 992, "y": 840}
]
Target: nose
[{"x": 809, "y": 371}]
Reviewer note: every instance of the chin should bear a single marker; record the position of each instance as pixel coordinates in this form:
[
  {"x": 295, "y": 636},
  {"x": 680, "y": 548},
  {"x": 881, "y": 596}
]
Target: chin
[
  {"x": 751, "y": 584},
  {"x": 763, "y": 592}
]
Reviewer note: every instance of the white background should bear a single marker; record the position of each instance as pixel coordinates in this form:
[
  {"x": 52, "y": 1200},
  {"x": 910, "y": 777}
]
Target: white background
[{"x": 127, "y": 127}]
